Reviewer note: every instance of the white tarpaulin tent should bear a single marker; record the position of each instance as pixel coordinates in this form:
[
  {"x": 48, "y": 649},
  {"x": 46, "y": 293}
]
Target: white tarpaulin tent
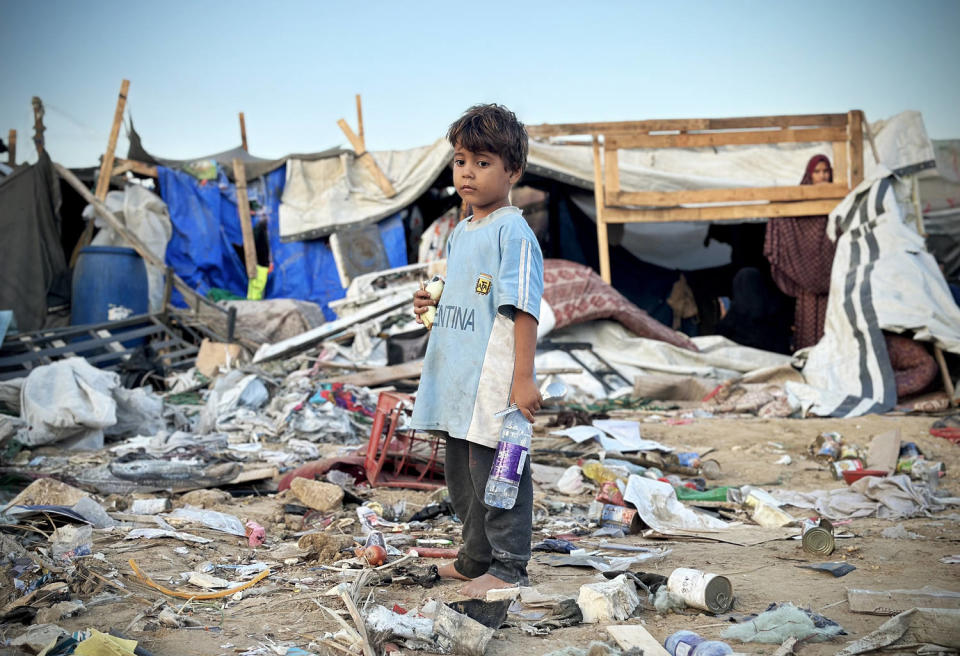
[
  {"x": 326, "y": 195},
  {"x": 883, "y": 278}
]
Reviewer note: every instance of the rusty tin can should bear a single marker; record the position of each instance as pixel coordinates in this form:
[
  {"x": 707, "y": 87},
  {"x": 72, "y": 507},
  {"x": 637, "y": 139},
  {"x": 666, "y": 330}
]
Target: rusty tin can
[
  {"x": 709, "y": 592},
  {"x": 817, "y": 537}
]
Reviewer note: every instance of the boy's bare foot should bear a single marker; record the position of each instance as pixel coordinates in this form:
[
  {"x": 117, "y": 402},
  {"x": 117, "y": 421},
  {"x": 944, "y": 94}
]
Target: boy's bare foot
[
  {"x": 478, "y": 587},
  {"x": 448, "y": 571}
]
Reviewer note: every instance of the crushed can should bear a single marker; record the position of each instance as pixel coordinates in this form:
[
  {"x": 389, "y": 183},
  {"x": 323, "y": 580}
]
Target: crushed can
[
  {"x": 709, "y": 592},
  {"x": 841, "y": 466},
  {"x": 817, "y": 536},
  {"x": 607, "y": 514}
]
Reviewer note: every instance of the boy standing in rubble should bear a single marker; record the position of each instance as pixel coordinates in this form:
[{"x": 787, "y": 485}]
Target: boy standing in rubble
[{"x": 480, "y": 354}]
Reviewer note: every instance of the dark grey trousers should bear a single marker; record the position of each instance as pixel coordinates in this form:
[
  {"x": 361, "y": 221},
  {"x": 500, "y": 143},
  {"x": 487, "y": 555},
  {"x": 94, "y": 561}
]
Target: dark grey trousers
[{"x": 494, "y": 540}]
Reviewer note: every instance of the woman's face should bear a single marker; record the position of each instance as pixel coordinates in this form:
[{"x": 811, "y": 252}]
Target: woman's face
[{"x": 821, "y": 173}]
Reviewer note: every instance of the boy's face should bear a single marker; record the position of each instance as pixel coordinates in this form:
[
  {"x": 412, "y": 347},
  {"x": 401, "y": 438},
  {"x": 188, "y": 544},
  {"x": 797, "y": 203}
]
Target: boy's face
[{"x": 482, "y": 180}]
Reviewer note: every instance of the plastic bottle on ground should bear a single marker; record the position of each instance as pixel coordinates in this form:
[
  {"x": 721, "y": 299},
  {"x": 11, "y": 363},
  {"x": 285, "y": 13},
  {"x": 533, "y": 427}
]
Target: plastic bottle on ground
[
  {"x": 682, "y": 643},
  {"x": 504, "y": 480}
]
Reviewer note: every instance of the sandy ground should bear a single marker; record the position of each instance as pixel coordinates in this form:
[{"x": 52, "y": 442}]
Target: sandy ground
[{"x": 284, "y": 609}]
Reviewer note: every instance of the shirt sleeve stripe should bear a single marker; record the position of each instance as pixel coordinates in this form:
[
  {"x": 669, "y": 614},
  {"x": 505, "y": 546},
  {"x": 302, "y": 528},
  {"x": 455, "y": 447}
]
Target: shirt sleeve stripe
[
  {"x": 521, "y": 280},
  {"x": 526, "y": 284}
]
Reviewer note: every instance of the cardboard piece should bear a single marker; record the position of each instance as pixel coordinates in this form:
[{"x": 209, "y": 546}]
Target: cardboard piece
[
  {"x": 883, "y": 452},
  {"x": 213, "y": 355},
  {"x": 892, "y": 602}
]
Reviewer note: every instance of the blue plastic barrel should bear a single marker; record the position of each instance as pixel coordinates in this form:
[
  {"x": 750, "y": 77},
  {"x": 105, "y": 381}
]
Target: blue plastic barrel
[{"x": 109, "y": 283}]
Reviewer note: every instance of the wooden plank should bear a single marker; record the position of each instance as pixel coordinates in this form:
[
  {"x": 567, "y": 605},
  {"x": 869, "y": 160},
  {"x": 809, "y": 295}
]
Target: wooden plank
[
  {"x": 243, "y": 133},
  {"x": 735, "y": 195},
  {"x": 737, "y": 123},
  {"x": 12, "y": 148},
  {"x": 720, "y": 213},
  {"x": 602, "y": 242},
  {"x": 246, "y": 227},
  {"x": 38, "y": 128},
  {"x": 713, "y": 139},
  {"x": 368, "y": 161},
  {"x": 381, "y": 375},
  {"x": 855, "y": 138},
  {"x": 841, "y": 172},
  {"x": 630, "y": 636},
  {"x": 141, "y": 168},
  {"x": 106, "y": 166},
  {"x": 611, "y": 173},
  {"x": 360, "y": 136},
  {"x": 944, "y": 372},
  {"x": 892, "y": 602}
]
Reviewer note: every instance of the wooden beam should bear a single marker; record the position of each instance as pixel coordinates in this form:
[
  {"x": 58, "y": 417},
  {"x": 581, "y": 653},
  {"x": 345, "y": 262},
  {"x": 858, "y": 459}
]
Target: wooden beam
[
  {"x": 360, "y": 123},
  {"x": 611, "y": 171},
  {"x": 734, "y": 195},
  {"x": 368, "y": 161},
  {"x": 841, "y": 172},
  {"x": 12, "y": 148},
  {"x": 380, "y": 375},
  {"x": 738, "y": 123},
  {"x": 944, "y": 373},
  {"x": 141, "y": 168},
  {"x": 720, "y": 213},
  {"x": 855, "y": 138},
  {"x": 713, "y": 139},
  {"x": 106, "y": 166},
  {"x": 602, "y": 242},
  {"x": 243, "y": 133},
  {"x": 38, "y": 128},
  {"x": 246, "y": 227}
]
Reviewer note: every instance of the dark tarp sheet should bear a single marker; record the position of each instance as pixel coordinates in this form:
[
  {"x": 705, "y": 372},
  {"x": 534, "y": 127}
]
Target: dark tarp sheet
[
  {"x": 31, "y": 256},
  {"x": 206, "y": 232},
  {"x": 254, "y": 167}
]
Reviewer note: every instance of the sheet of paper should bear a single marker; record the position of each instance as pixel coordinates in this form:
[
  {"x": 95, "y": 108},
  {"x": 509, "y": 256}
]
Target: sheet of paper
[{"x": 578, "y": 433}]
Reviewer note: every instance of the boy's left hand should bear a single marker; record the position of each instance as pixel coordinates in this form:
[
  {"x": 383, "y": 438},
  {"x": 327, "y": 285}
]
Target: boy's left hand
[{"x": 526, "y": 396}]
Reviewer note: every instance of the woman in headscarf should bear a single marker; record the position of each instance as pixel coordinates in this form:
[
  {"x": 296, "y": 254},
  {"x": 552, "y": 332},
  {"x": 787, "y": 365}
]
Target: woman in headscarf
[{"x": 801, "y": 256}]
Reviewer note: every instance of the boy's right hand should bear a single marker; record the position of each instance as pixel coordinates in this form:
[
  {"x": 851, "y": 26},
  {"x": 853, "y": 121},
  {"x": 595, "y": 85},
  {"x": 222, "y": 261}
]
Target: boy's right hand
[{"x": 421, "y": 301}]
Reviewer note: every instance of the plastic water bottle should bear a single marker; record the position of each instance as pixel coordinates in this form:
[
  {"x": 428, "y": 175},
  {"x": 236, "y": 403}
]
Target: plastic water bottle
[
  {"x": 712, "y": 648},
  {"x": 504, "y": 480}
]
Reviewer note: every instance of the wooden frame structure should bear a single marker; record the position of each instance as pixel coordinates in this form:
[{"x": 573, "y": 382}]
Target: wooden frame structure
[{"x": 613, "y": 205}]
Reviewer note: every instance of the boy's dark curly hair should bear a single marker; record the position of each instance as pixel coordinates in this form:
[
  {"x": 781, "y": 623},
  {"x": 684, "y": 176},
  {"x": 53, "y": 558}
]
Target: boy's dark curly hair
[{"x": 495, "y": 129}]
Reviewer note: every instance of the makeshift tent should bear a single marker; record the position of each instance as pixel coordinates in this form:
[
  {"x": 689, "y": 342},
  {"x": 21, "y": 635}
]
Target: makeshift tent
[
  {"x": 206, "y": 230},
  {"x": 31, "y": 258}
]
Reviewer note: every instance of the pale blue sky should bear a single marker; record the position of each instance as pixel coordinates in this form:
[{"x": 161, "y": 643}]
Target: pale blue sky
[{"x": 294, "y": 67}]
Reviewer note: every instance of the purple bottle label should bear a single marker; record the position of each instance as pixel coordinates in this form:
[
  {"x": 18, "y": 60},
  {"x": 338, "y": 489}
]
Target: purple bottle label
[{"x": 508, "y": 463}]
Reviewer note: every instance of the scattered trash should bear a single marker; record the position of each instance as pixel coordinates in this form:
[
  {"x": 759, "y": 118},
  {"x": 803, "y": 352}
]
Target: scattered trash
[
  {"x": 933, "y": 626},
  {"x": 891, "y": 602},
  {"x": 689, "y": 643},
  {"x": 898, "y": 532},
  {"x": 782, "y": 622},
  {"x": 837, "y": 569}
]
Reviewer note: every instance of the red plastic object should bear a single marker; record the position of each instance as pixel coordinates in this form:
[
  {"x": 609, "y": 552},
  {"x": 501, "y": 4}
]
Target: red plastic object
[
  {"x": 400, "y": 458},
  {"x": 857, "y": 474}
]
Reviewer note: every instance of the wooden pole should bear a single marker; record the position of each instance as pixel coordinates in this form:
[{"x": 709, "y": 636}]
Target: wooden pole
[
  {"x": 367, "y": 159},
  {"x": 360, "y": 122},
  {"x": 106, "y": 168},
  {"x": 243, "y": 133},
  {"x": 38, "y": 128},
  {"x": 598, "y": 198},
  {"x": 12, "y": 148},
  {"x": 246, "y": 227},
  {"x": 855, "y": 136}
]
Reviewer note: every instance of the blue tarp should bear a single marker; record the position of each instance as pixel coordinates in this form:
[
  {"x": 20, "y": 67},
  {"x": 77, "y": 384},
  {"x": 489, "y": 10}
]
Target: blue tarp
[{"x": 206, "y": 229}]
